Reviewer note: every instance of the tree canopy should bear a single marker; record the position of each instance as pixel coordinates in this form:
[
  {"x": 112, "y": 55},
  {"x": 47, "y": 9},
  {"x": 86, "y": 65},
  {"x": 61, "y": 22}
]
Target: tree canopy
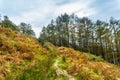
[
  {"x": 23, "y": 27},
  {"x": 100, "y": 38}
]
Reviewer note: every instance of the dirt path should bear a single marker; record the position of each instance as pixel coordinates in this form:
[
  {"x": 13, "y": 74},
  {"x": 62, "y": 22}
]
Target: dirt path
[{"x": 60, "y": 71}]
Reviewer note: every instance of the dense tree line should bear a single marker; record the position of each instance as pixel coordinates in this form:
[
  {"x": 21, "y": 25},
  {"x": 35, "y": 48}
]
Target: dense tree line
[
  {"x": 22, "y": 27},
  {"x": 100, "y": 38}
]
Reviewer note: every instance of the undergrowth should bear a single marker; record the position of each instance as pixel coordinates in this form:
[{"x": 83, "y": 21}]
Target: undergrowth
[{"x": 24, "y": 58}]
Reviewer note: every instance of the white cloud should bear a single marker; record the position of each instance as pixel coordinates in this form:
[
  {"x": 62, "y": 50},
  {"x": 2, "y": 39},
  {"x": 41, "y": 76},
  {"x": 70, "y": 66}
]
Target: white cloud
[
  {"x": 31, "y": 16},
  {"x": 46, "y": 10},
  {"x": 86, "y": 13},
  {"x": 80, "y": 8}
]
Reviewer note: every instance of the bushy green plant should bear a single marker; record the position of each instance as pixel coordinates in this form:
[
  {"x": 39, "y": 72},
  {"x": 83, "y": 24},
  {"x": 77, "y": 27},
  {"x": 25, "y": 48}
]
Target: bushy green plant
[{"x": 95, "y": 58}]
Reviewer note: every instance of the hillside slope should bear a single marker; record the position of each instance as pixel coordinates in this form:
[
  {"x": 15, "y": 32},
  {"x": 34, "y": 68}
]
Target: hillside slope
[
  {"x": 17, "y": 52},
  {"x": 23, "y": 58}
]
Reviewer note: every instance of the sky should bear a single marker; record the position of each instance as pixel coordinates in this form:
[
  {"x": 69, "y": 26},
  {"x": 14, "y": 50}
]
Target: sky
[{"x": 39, "y": 13}]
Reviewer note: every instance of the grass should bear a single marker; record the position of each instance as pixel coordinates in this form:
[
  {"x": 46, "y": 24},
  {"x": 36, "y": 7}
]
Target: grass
[
  {"x": 42, "y": 70},
  {"x": 23, "y": 58}
]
